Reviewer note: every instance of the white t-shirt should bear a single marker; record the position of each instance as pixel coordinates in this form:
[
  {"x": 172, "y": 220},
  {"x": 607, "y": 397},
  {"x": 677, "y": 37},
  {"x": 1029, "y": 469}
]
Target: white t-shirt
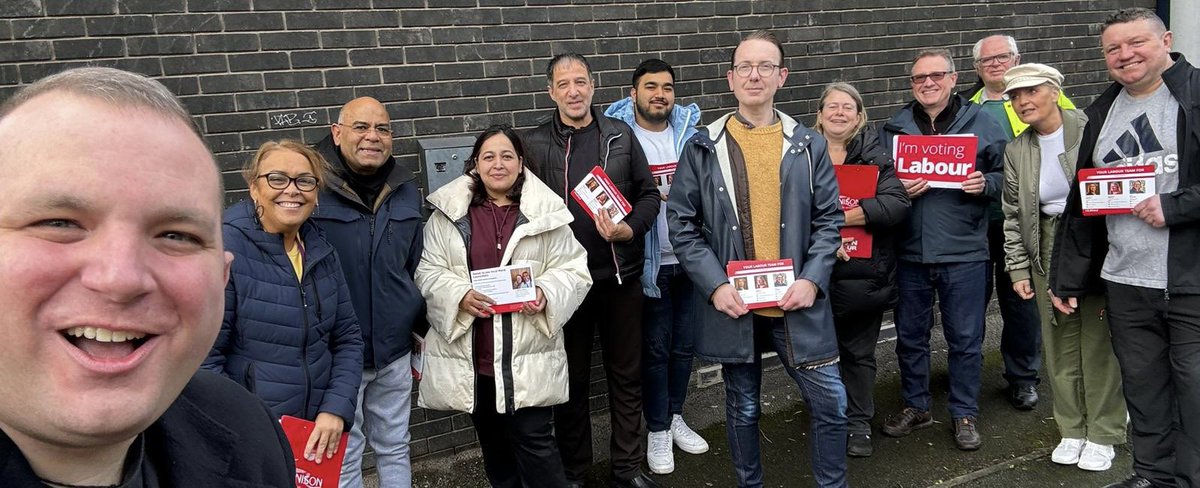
[
  {"x": 660, "y": 149},
  {"x": 1053, "y": 185}
]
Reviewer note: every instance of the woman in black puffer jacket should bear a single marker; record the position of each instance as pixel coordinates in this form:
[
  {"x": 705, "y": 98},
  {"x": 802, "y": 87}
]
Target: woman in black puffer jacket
[{"x": 862, "y": 289}]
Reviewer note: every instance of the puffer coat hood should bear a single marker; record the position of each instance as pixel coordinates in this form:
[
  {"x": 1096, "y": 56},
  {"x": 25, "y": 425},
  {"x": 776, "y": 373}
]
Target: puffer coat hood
[{"x": 530, "y": 360}]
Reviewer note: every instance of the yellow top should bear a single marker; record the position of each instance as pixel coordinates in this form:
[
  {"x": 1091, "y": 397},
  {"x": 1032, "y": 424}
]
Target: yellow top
[
  {"x": 296, "y": 256},
  {"x": 762, "y": 148}
]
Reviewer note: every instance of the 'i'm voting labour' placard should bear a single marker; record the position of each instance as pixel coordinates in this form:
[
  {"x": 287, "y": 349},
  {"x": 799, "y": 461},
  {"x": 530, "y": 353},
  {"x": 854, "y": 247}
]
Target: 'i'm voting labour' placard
[{"x": 943, "y": 161}]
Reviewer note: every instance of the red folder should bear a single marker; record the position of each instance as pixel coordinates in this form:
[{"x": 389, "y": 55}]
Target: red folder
[
  {"x": 309, "y": 474},
  {"x": 856, "y": 182}
]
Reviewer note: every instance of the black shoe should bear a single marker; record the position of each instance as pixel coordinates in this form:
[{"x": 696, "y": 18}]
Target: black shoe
[
  {"x": 1134, "y": 481},
  {"x": 1023, "y": 397},
  {"x": 966, "y": 435},
  {"x": 639, "y": 481},
  {"x": 859, "y": 445},
  {"x": 906, "y": 421},
  {"x": 574, "y": 484}
]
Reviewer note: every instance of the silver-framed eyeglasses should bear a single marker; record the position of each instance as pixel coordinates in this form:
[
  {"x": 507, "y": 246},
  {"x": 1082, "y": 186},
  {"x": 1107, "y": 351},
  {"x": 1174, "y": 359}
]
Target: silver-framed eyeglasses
[
  {"x": 997, "y": 59},
  {"x": 764, "y": 69},
  {"x": 280, "y": 181},
  {"x": 363, "y": 128}
]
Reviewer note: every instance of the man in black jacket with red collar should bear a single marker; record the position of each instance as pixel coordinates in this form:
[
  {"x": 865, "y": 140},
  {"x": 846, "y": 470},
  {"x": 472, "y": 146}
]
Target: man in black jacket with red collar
[
  {"x": 1145, "y": 260},
  {"x": 561, "y": 152}
]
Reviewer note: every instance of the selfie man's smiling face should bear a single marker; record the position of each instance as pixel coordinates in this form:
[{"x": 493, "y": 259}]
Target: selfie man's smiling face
[{"x": 112, "y": 264}]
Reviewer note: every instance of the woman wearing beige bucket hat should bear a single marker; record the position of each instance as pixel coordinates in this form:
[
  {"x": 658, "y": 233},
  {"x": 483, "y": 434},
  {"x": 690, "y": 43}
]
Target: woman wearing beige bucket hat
[{"x": 1039, "y": 166}]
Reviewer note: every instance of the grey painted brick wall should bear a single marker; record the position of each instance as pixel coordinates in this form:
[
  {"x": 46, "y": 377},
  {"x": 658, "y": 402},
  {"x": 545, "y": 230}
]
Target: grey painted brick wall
[{"x": 253, "y": 70}]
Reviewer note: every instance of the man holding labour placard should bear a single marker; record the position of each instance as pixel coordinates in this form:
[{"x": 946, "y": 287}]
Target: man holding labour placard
[{"x": 949, "y": 157}]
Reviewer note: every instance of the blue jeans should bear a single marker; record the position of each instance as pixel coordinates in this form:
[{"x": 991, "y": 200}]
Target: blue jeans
[
  {"x": 667, "y": 351},
  {"x": 822, "y": 391},
  {"x": 960, "y": 290}
]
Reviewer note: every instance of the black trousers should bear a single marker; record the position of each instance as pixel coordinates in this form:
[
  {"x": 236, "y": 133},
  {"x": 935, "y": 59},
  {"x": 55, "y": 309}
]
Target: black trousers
[
  {"x": 1021, "y": 335},
  {"x": 1157, "y": 341},
  {"x": 615, "y": 310},
  {"x": 858, "y": 335},
  {"x": 518, "y": 448}
]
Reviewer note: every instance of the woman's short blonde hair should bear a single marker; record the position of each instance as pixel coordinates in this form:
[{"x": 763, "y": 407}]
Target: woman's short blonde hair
[
  {"x": 858, "y": 100},
  {"x": 320, "y": 168}
]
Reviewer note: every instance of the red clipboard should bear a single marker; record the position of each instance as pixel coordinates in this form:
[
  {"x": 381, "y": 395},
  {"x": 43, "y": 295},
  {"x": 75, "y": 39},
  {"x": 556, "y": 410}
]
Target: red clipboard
[
  {"x": 309, "y": 474},
  {"x": 856, "y": 182}
]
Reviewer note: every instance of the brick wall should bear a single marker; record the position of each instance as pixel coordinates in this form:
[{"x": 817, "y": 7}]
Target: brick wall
[{"x": 253, "y": 70}]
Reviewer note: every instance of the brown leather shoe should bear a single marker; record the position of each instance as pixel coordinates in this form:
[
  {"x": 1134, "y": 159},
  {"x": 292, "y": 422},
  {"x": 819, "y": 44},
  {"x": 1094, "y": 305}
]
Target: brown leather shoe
[
  {"x": 966, "y": 435},
  {"x": 906, "y": 421}
]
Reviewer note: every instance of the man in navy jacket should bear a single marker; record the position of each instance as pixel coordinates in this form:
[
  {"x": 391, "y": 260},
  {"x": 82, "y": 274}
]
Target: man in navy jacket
[
  {"x": 944, "y": 250},
  {"x": 370, "y": 212}
]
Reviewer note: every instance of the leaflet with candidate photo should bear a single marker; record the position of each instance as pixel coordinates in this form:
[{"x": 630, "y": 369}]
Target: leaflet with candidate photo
[
  {"x": 664, "y": 176},
  {"x": 597, "y": 194},
  {"x": 417, "y": 356},
  {"x": 943, "y": 161},
  {"x": 761, "y": 284},
  {"x": 509, "y": 286},
  {"x": 1115, "y": 190}
]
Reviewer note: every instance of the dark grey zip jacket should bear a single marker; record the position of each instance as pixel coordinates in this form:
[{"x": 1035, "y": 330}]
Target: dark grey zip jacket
[
  {"x": 705, "y": 233},
  {"x": 1081, "y": 243},
  {"x": 948, "y": 225},
  {"x": 546, "y": 149}
]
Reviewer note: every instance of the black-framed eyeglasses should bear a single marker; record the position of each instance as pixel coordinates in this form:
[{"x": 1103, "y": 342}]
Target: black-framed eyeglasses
[
  {"x": 936, "y": 76},
  {"x": 280, "y": 181},
  {"x": 997, "y": 59},
  {"x": 362, "y": 128},
  {"x": 764, "y": 69}
]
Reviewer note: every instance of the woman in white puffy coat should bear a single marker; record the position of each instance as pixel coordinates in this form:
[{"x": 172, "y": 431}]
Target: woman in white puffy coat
[{"x": 506, "y": 369}]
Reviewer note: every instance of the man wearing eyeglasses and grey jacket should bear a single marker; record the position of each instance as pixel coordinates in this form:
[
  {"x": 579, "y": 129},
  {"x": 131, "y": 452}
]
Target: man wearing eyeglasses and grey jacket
[
  {"x": 944, "y": 251},
  {"x": 370, "y": 212}
]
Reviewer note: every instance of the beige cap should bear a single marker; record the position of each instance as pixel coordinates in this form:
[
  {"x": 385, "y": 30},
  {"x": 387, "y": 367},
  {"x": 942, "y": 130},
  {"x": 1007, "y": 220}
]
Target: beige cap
[{"x": 1031, "y": 74}]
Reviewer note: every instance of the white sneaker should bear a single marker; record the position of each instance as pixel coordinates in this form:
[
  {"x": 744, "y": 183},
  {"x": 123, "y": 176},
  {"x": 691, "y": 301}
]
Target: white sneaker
[
  {"x": 659, "y": 455},
  {"x": 686, "y": 438},
  {"x": 1096, "y": 457},
  {"x": 1068, "y": 451}
]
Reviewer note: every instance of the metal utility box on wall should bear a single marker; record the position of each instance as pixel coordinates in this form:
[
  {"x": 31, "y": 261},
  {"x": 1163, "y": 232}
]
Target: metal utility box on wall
[{"x": 442, "y": 160}]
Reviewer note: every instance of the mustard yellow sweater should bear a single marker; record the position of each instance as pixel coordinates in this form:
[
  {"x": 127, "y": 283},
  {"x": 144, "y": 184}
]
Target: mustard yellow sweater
[{"x": 761, "y": 147}]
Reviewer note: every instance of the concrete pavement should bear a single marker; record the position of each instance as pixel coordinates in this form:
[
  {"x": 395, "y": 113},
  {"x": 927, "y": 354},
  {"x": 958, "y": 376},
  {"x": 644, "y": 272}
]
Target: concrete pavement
[{"x": 1015, "y": 452}]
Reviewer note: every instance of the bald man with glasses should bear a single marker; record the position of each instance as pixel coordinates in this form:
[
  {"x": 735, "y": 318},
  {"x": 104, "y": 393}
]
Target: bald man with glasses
[{"x": 370, "y": 211}]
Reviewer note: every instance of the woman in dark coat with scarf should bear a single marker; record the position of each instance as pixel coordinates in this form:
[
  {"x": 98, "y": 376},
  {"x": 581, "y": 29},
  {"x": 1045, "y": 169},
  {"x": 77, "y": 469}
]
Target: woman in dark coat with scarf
[{"x": 862, "y": 289}]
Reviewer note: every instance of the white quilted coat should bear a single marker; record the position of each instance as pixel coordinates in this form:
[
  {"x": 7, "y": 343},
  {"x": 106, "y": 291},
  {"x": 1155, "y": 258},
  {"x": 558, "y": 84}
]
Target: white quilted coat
[{"x": 536, "y": 375}]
